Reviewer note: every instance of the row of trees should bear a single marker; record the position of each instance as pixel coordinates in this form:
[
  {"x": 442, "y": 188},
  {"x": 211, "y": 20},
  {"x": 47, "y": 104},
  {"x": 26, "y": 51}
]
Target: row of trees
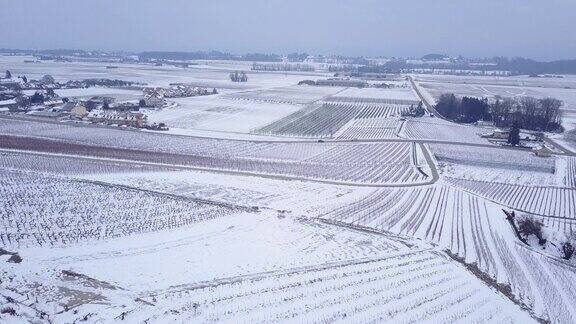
[{"x": 524, "y": 112}]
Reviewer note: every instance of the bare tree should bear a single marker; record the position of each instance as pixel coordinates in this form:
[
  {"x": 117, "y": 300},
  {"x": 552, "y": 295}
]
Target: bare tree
[{"x": 550, "y": 108}]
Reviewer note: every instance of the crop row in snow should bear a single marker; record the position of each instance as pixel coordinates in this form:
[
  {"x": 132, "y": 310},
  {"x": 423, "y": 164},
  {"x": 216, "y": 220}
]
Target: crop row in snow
[
  {"x": 371, "y": 128},
  {"x": 474, "y": 230},
  {"x": 357, "y": 163},
  {"x": 290, "y": 94},
  {"x": 368, "y": 100},
  {"x": 65, "y": 165},
  {"x": 545, "y": 201},
  {"x": 61, "y": 211},
  {"x": 492, "y": 157},
  {"x": 570, "y": 177},
  {"x": 419, "y": 286},
  {"x": 324, "y": 120},
  {"x": 434, "y": 129},
  {"x": 332, "y": 161}
]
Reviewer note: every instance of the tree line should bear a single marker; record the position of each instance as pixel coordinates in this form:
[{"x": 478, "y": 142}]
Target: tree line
[{"x": 524, "y": 112}]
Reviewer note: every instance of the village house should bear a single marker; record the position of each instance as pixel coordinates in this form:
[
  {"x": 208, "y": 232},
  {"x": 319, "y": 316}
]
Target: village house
[
  {"x": 79, "y": 111},
  {"x": 120, "y": 118},
  {"x": 75, "y": 110},
  {"x": 153, "y": 97},
  {"x": 67, "y": 106}
]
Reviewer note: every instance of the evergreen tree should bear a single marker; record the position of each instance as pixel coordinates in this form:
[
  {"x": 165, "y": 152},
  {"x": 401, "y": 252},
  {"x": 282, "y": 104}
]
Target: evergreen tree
[
  {"x": 37, "y": 98},
  {"x": 514, "y": 136}
]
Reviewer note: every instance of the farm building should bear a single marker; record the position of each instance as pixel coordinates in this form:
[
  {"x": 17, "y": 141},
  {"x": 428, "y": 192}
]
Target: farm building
[
  {"x": 67, "y": 107},
  {"x": 153, "y": 98},
  {"x": 543, "y": 151},
  {"x": 74, "y": 109},
  {"x": 79, "y": 111},
  {"x": 501, "y": 134},
  {"x": 127, "y": 118}
]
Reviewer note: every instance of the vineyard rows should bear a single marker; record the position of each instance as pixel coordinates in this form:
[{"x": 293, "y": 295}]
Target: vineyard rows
[
  {"x": 413, "y": 287},
  {"x": 368, "y": 163},
  {"x": 381, "y": 153},
  {"x": 419, "y": 129},
  {"x": 372, "y": 128},
  {"x": 570, "y": 178},
  {"x": 290, "y": 151},
  {"x": 370, "y": 111},
  {"x": 290, "y": 95},
  {"x": 387, "y": 101},
  {"x": 363, "y": 132},
  {"x": 472, "y": 229},
  {"x": 281, "y": 123},
  {"x": 61, "y": 211},
  {"x": 496, "y": 158},
  {"x": 545, "y": 201},
  {"x": 326, "y": 119},
  {"x": 65, "y": 165}
]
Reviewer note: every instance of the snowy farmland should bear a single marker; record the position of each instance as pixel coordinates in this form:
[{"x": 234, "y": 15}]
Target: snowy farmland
[{"x": 278, "y": 202}]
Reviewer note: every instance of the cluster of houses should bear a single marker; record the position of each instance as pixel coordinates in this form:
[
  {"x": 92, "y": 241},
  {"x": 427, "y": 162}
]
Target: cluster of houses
[
  {"x": 37, "y": 98},
  {"x": 98, "y": 110},
  {"x": 154, "y": 97}
]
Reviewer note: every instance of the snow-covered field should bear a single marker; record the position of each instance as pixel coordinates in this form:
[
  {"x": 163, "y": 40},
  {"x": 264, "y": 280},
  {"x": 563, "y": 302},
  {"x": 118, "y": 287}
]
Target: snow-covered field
[{"x": 272, "y": 202}]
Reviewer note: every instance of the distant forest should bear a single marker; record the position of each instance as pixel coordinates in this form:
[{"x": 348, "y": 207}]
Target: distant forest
[
  {"x": 517, "y": 65},
  {"x": 212, "y": 55}
]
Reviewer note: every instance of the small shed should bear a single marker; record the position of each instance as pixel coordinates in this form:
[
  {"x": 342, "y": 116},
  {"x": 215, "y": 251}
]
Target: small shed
[
  {"x": 67, "y": 107},
  {"x": 543, "y": 151},
  {"x": 501, "y": 134}
]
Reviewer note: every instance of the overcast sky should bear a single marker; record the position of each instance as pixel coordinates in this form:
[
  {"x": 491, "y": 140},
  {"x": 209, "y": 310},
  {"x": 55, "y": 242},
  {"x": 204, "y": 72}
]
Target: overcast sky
[{"x": 540, "y": 29}]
